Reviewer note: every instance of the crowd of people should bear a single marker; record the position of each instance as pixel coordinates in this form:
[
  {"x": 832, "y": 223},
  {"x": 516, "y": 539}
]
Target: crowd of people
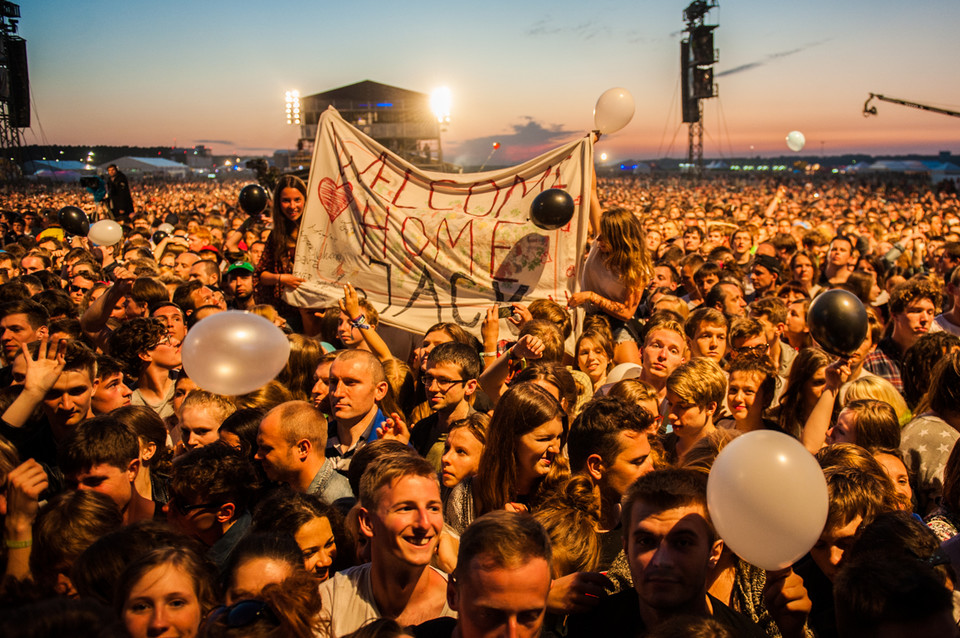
[{"x": 550, "y": 483}]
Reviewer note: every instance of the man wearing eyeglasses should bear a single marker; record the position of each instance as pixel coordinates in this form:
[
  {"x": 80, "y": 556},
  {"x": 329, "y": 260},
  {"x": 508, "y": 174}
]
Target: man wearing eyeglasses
[
  {"x": 450, "y": 380},
  {"x": 211, "y": 490}
]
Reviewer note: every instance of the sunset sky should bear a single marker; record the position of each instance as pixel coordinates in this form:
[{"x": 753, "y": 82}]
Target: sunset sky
[{"x": 524, "y": 73}]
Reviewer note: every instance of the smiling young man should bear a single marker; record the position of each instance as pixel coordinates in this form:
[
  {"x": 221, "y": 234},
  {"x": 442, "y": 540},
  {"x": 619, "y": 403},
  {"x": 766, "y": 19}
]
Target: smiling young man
[
  {"x": 400, "y": 515},
  {"x": 913, "y": 306},
  {"x": 449, "y": 381}
]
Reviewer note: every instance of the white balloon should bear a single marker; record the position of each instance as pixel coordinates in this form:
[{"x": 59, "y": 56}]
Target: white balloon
[
  {"x": 767, "y": 498},
  {"x": 614, "y": 110},
  {"x": 105, "y": 232},
  {"x": 167, "y": 228},
  {"x": 234, "y": 352},
  {"x": 796, "y": 141}
]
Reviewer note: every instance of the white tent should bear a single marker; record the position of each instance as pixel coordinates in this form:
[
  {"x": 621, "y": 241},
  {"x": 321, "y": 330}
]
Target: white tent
[{"x": 131, "y": 166}]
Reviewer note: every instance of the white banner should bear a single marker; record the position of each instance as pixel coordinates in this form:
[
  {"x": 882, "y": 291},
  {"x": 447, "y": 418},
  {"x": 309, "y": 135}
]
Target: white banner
[{"x": 425, "y": 246}]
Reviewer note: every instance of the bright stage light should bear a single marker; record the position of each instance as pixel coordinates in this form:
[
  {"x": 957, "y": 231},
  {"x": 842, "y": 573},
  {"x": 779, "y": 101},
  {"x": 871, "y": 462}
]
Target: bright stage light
[
  {"x": 292, "y": 99},
  {"x": 440, "y": 101}
]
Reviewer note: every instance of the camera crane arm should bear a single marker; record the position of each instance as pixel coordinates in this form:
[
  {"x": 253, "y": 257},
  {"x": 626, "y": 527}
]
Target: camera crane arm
[{"x": 872, "y": 110}]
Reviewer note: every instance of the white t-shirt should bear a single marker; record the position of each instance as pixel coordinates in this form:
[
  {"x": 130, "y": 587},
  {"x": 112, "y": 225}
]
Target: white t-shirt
[
  {"x": 348, "y": 603},
  {"x": 941, "y": 323}
]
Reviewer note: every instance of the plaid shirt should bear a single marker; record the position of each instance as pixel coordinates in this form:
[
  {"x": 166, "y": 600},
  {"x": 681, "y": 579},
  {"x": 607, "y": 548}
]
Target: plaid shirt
[{"x": 885, "y": 362}]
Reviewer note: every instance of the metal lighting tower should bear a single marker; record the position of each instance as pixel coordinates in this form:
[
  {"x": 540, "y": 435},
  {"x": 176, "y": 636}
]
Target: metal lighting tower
[
  {"x": 14, "y": 85},
  {"x": 697, "y": 57}
]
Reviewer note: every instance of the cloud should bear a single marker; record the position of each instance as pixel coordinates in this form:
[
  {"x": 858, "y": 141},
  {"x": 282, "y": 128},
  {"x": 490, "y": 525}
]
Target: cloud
[
  {"x": 584, "y": 31},
  {"x": 524, "y": 141},
  {"x": 220, "y": 142},
  {"x": 767, "y": 59}
]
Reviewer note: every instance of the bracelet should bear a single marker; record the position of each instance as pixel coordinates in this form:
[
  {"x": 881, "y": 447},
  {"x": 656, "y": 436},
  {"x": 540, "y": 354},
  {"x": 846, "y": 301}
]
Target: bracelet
[
  {"x": 359, "y": 323},
  {"x": 489, "y": 354},
  {"x": 18, "y": 544}
]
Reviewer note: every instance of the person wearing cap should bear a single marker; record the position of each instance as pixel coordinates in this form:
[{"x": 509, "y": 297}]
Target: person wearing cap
[
  {"x": 766, "y": 275},
  {"x": 239, "y": 282}
]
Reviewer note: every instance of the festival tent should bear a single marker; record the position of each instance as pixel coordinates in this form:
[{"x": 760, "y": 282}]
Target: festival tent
[
  {"x": 56, "y": 176},
  {"x": 940, "y": 171},
  {"x": 32, "y": 167},
  {"x": 897, "y": 166},
  {"x": 146, "y": 166}
]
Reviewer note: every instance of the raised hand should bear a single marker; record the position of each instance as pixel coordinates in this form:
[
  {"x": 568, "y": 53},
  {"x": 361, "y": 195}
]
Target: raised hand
[
  {"x": 350, "y": 304},
  {"x": 394, "y": 427},
  {"x": 44, "y": 370}
]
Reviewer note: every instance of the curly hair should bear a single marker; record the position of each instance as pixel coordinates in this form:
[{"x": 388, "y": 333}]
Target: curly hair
[
  {"x": 913, "y": 290},
  {"x": 133, "y": 338}
]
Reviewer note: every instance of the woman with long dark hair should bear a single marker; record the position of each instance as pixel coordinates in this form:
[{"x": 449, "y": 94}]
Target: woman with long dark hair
[
  {"x": 274, "y": 274},
  {"x": 521, "y": 459}
]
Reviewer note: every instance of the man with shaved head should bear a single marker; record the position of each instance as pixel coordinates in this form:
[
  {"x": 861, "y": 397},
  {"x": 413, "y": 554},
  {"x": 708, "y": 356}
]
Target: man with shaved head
[{"x": 291, "y": 446}]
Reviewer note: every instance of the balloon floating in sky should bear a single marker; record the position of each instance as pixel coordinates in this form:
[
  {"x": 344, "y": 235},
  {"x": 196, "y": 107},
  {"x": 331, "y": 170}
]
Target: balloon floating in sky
[
  {"x": 253, "y": 199},
  {"x": 496, "y": 145},
  {"x": 614, "y": 110},
  {"x": 105, "y": 232},
  {"x": 838, "y": 322},
  {"x": 234, "y": 352},
  {"x": 767, "y": 498},
  {"x": 73, "y": 220},
  {"x": 552, "y": 209},
  {"x": 796, "y": 141}
]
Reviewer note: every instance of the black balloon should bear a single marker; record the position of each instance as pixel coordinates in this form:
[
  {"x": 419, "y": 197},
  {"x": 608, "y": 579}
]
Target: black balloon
[
  {"x": 73, "y": 220},
  {"x": 838, "y": 322},
  {"x": 253, "y": 199},
  {"x": 158, "y": 236},
  {"x": 552, "y": 209}
]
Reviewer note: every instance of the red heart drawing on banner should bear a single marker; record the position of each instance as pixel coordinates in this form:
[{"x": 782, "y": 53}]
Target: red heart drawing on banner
[{"x": 334, "y": 198}]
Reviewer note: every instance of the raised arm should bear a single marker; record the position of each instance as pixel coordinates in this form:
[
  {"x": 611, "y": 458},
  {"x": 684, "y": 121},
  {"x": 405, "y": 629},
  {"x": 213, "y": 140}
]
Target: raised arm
[
  {"x": 495, "y": 376},
  {"x": 815, "y": 430},
  {"x": 350, "y": 305}
]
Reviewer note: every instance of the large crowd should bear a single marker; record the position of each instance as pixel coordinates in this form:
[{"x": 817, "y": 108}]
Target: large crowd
[{"x": 459, "y": 484}]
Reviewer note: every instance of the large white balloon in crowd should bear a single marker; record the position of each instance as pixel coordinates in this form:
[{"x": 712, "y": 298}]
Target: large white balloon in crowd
[
  {"x": 767, "y": 498},
  {"x": 234, "y": 352}
]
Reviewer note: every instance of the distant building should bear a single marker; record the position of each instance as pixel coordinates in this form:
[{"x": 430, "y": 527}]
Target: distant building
[{"x": 399, "y": 119}]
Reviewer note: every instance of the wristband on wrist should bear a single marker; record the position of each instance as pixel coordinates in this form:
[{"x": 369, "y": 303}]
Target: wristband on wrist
[
  {"x": 359, "y": 323},
  {"x": 18, "y": 544},
  {"x": 490, "y": 354}
]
